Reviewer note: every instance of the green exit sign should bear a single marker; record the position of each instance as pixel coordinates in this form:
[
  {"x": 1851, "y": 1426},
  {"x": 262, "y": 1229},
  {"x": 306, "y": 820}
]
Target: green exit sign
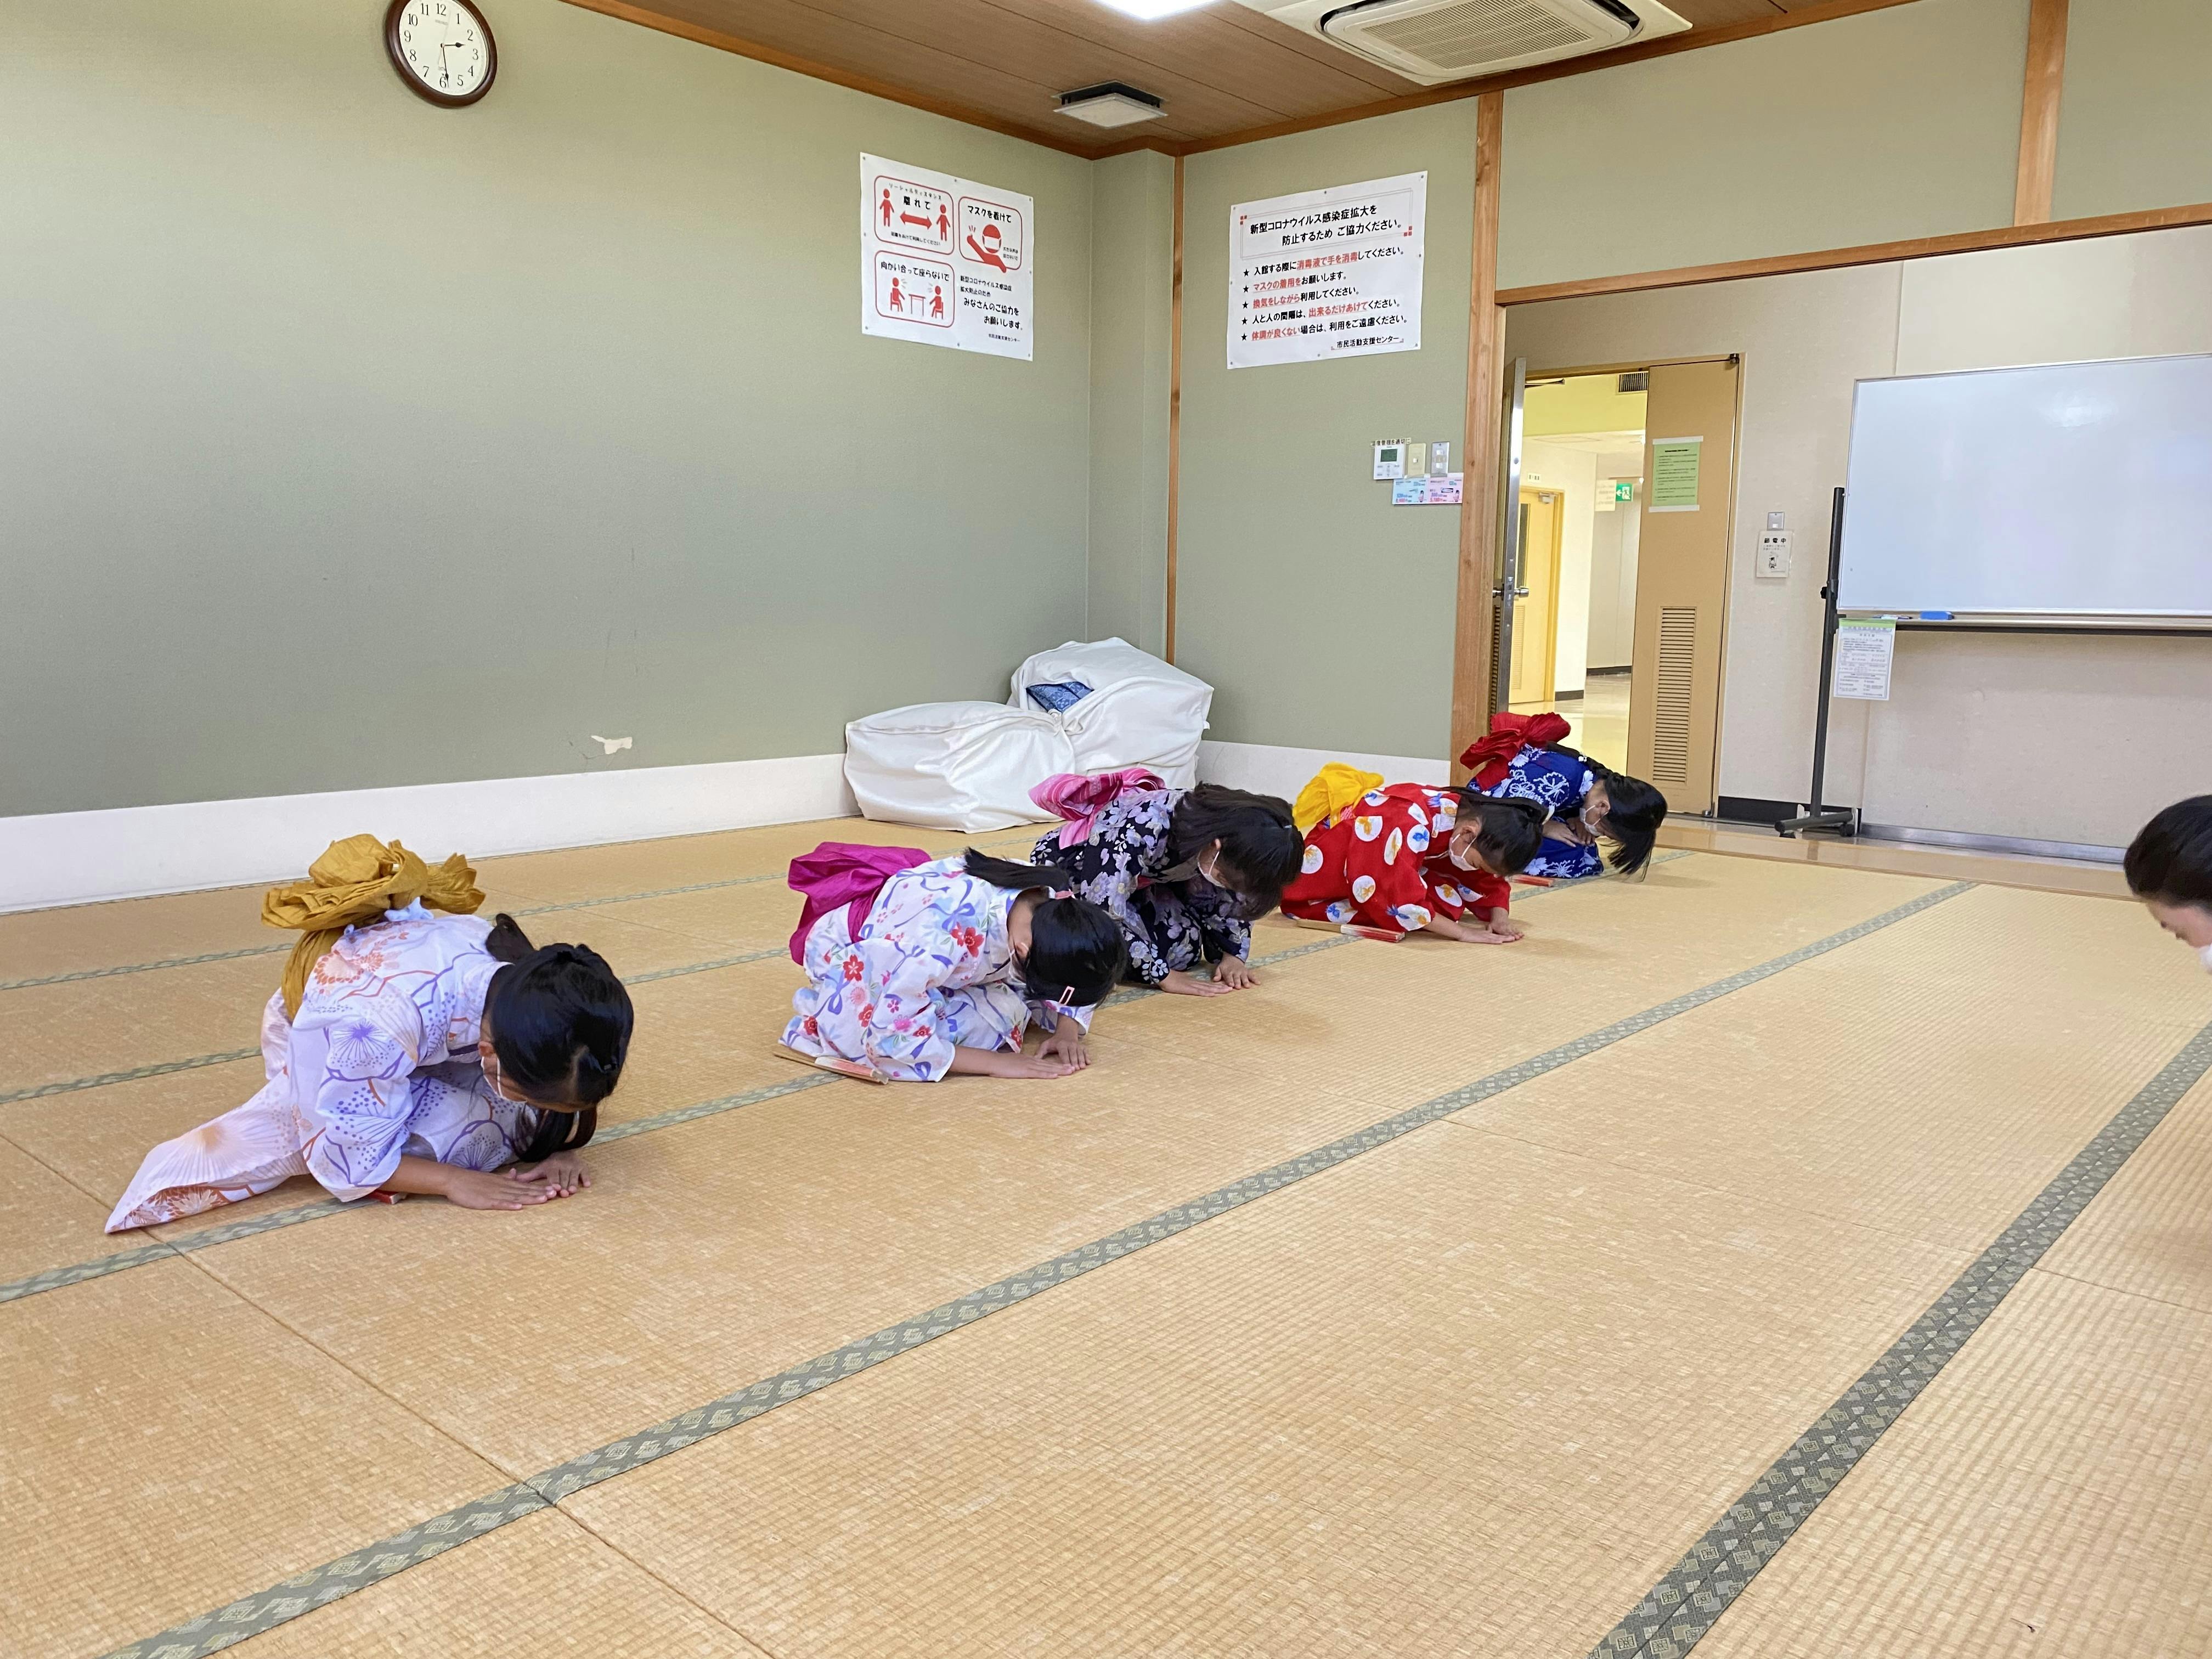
[{"x": 1623, "y": 489}]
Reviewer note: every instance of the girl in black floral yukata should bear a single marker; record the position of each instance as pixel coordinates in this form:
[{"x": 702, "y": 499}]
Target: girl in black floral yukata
[{"x": 1185, "y": 872}]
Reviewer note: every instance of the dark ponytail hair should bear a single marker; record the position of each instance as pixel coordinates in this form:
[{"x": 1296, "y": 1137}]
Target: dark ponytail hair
[
  {"x": 1260, "y": 846},
  {"x": 1508, "y": 830},
  {"x": 561, "y": 1027},
  {"x": 1634, "y": 810},
  {"x": 1077, "y": 954}
]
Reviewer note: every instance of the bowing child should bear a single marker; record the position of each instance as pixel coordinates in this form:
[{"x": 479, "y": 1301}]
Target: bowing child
[
  {"x": 1185, "y": 872},
  {"x": 1524, "y": 758},
  {"x": 1408, "y": 857},
  {"x": 918, "y": 969}
]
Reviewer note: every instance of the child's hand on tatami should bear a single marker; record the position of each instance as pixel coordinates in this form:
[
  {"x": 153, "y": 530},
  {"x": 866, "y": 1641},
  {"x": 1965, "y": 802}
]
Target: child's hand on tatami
[
  {"x": 563, "y": 1173},
  {"x": 1067, "y": 1045},
  {"x": 1499, "y": 930},
  {"x": 1236, "y": 973}
]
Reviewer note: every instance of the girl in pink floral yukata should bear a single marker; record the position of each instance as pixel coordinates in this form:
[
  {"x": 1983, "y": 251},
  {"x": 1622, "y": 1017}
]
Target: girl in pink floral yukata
[{"x": 918, "y": 969}]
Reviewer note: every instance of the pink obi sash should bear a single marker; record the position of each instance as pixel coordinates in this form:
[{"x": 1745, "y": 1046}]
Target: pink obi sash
[
  {"x": 1080, "y": 796},
  {"x": 839, "y": 872}
]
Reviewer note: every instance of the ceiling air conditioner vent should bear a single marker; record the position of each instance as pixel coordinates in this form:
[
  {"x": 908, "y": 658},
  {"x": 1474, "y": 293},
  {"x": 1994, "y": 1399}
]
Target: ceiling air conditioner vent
[{"x": 1433, "y": 41}]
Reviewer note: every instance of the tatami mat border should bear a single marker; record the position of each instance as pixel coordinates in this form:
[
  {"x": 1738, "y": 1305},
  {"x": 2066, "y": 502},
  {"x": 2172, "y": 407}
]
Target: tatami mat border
[
  {"x": 76, "y": 974},
  {"x": 266, "y": 1609},
  {"x": 1685, "y": 1604}
]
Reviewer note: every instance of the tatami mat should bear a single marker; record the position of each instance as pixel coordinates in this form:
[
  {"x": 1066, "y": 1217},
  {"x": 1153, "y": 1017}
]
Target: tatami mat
[
  {"x": 169, "y": 1445},
  {"x": 542, "y": 1586},
  {"x": 1240, "y": 1435},
  {"x": 1473, "y": 1390}
]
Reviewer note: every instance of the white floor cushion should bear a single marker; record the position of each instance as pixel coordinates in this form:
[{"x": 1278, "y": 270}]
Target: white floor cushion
[{"x": 955, "y": 765}]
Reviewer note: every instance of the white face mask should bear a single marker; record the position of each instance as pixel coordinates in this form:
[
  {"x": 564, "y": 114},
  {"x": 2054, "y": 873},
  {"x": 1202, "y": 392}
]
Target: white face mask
[
  {"x": 2204, "y": 956},
  {"x": 1452, "y": 852}
]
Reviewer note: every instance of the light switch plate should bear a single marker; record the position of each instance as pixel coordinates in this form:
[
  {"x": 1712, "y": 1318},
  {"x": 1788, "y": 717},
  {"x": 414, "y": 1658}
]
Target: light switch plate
[
  {"x": 1773, "y": 553},
  {"x": 1440, "y": 458},
  {"x": 1417, "y": 460}
]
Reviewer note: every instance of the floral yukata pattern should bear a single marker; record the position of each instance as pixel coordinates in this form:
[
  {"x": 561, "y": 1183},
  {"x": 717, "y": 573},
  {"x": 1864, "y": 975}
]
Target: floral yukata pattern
[
  {"x": 1384, "y": 864},
  {"x": 1561, "y": 784},
  {"x": 1173, "y": 919},
  {"x": 930, "y": 971},
  {"x": 381, "y": 1062}
]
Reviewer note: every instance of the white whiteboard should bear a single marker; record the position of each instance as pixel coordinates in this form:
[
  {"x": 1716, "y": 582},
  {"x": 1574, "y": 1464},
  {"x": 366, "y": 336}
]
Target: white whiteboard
[{"x": 2077, "y": 490}]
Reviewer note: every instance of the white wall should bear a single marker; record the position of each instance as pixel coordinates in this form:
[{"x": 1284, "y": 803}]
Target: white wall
[
  {"x": 1979, "y": 730},
  {"x": 1573, "y": 472},
  {"x": 1613, "y": 540}
]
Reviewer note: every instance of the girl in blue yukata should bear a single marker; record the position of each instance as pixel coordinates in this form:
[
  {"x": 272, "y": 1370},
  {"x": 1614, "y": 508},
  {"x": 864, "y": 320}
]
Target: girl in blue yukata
[{"x": 1523, "y": 759}]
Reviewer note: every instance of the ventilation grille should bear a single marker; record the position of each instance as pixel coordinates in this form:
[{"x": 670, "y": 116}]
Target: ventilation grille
[
  {"x": 1635, "y": 380},
  {"x": 1670, "y": 725},
  {"x": 1477, "y": 32}
]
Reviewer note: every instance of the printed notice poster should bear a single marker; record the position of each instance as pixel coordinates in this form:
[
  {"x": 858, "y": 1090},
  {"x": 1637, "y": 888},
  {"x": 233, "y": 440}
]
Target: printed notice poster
[
  {"x": 1675, "y": 475},
  {"x": 1864, "y": 650},
  {"x": 1327, "y": 273},
  {"x": 945, "y": 261}
]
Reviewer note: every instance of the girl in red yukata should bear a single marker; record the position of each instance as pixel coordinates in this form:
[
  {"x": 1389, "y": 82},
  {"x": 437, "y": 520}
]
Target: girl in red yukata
[{"x": 1406, "y": 858}]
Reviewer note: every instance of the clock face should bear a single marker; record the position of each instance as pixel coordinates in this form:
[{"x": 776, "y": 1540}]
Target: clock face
[{"x": 441, "y": 48}]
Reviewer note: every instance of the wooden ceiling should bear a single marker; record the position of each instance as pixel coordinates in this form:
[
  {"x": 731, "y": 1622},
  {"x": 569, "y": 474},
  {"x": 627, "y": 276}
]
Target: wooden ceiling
[{"x": 1227, "y": 73}]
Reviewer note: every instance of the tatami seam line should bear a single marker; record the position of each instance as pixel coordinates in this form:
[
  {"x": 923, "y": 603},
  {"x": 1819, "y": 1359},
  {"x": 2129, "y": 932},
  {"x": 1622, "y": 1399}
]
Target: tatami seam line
[
  {"x": 76, "y": 974},
  {"x": 318, "y": 1586},
  {"x": 100, "y": 1267},
  {"x": 1686, "y": 1603}
]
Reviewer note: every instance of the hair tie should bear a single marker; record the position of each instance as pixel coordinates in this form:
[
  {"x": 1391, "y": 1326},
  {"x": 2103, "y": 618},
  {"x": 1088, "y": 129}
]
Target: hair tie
[
  {"x": 1068, "y": 995},
  {"x": 1060, "y": 892}
]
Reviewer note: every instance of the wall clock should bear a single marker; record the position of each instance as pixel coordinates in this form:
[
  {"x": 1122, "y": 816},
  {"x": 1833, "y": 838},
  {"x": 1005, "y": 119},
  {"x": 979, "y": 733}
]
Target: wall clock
[{"x": 443, "y": 49}]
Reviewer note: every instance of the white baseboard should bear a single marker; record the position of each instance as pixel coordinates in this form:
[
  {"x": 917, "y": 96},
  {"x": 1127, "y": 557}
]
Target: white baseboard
[
  {"x": 82, "y": 858},
  {"x": 1268, "y": 770}
]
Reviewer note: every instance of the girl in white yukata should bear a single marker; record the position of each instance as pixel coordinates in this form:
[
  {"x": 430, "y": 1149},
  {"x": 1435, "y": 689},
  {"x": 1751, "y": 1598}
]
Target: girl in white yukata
[
  {"x": 941, "y": 968},
  {"x": 430, "y": 1053}
]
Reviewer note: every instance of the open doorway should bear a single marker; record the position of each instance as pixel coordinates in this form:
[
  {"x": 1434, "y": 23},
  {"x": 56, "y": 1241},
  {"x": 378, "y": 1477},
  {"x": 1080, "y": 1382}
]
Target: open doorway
[
  {"x": 1582, "y": 473},
  {"x": 1616, "y": 581}
]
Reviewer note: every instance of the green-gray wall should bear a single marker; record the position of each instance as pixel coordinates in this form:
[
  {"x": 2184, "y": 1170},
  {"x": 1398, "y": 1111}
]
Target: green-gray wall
[
  {"x": 1892, "y": 124},
  {"x": 1132, "y": 282},
  {"x": 1322, "y": 614},
  {"x": 2135, "y": 108},
  {"x": 349, "y": 442}
]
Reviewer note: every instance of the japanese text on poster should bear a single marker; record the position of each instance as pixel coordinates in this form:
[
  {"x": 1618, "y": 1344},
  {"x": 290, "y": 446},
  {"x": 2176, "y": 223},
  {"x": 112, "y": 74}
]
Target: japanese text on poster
[
  {"x": 1675, "y": 466},
  {"x": 945, "y": 261},
  {"x": 1864, "y": 649},
  {"x": 1327, "y": 273}
]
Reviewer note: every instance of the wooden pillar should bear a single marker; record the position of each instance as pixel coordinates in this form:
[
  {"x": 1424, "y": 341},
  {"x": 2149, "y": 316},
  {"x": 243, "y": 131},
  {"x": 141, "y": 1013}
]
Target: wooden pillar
[
  {"x": 1481, "y": 463},
  {"x": 2038, "y": 113},
  {"x": 1175, "y": 409}
]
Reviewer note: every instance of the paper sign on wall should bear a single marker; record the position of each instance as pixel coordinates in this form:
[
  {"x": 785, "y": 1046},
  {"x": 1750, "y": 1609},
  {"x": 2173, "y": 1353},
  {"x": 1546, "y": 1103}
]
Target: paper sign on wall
[
  {"x": 1864, "y": 651},
  {"x": 1427, "y": 491},
  {"x": 945, "y": 261},
  {"x": 1675, "y": 474},
  {"x": 1327, "y": 273}
]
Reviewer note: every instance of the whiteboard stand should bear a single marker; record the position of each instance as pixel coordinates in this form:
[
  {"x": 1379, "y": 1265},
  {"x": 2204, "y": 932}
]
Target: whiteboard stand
[{"x": 1843, "y": 820}]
